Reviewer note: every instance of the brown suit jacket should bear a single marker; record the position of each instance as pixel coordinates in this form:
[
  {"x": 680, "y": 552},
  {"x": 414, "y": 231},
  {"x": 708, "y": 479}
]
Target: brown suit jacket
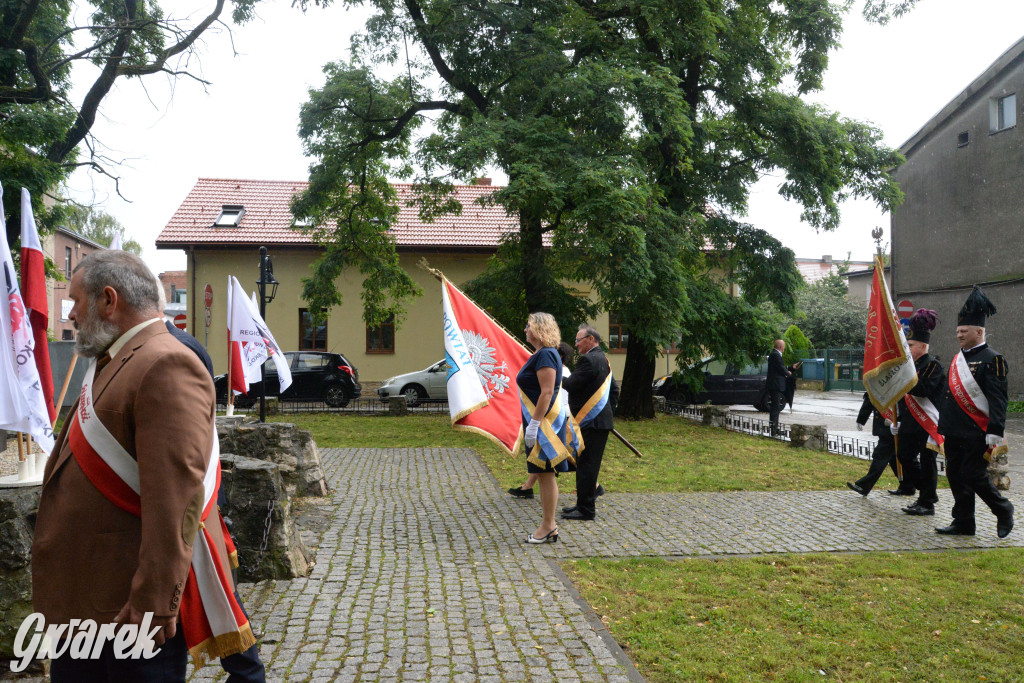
[{"x": 90, "y": 557}]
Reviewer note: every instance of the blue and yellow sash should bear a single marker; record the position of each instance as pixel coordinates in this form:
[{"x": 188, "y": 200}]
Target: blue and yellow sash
[
  {"x": 596, "y": 403},
  {"x": 558, "y": 438}
]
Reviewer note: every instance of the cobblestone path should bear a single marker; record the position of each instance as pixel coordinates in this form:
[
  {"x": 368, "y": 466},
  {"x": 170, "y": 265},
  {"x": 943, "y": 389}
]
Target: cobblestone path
[{"x": 422, "y": 573}]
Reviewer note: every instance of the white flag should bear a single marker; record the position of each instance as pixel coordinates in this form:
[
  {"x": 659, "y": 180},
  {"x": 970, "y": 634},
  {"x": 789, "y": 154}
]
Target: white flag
[
  {"x": 466, "y": 393},
  {"x": 22, "y": 403},
  {"x": 115, "y": 244},
  {"x": 251, "y": 341}
]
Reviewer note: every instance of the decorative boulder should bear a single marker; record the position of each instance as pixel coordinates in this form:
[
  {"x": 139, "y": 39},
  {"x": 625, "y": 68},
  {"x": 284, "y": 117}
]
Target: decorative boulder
[
  {"x": 398, "y": 406},
  {"x": 18, "y": 507},
  {"x": 260, "y": 514},
  {"x": 716, "y": 416},
  {"x": 814, "y": 437},
  {"x": 281, "y": 443}
]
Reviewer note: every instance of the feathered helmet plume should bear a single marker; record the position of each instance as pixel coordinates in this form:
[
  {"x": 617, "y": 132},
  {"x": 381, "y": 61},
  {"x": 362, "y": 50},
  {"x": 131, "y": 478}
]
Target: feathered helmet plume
[
  {"x": 975, "y": 309},
  {"x": 922, "y": 323}
]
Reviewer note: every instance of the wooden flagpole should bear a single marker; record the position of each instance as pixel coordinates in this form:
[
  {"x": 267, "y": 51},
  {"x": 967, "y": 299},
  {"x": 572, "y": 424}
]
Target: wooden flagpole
[
  {"x": 64, "y": 389},
  {"x": 231, "y": 394},
  {"x": 21, "y": 448}
]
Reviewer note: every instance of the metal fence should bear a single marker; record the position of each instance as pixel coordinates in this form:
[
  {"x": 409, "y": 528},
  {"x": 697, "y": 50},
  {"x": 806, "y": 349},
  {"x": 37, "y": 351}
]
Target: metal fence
[
  {"x": 746, "y": 424},
  {"x": 359, "y": 406}
]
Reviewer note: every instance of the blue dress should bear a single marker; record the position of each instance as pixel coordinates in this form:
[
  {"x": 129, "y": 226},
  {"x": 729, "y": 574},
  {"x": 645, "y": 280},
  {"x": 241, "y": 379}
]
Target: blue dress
[{"x": 527, "y": 382}]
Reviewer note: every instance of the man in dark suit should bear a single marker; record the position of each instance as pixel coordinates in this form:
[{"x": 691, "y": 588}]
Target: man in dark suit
[
  {"x": 778, "y": 373},
  {"x": 884, "y": 454},
  {"x": 972, "y": 429},
  {"x": 592, "y": 398}
]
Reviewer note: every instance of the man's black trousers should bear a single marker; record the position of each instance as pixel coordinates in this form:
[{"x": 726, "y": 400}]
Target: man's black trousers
[
  {"x": 588, "y": 467},
  {"x": 967, "y": 471}
]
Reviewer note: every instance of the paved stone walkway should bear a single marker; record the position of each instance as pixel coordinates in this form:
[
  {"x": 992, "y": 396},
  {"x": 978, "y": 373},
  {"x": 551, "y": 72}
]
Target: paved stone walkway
[{"x": 422, "y": 573}]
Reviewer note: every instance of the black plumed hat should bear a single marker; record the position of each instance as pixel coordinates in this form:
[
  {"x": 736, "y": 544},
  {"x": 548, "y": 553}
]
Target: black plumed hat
[
  {"x": 922, "y": 323},
  {"x": 975, "y": 309}
]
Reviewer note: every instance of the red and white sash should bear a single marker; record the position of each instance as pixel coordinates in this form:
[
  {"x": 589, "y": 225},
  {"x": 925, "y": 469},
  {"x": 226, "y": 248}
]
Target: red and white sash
[
  {"x": 926, "y": 415},
  {"x": 212, "y": 621},
  {"x": 967, "y": 392}
]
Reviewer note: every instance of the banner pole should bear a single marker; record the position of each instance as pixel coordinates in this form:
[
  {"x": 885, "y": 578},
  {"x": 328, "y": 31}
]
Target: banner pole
[
  {"x": 64, "y": 389},
  {"x": 627, "y": 444},
  {"x": 21, "y": 448}
]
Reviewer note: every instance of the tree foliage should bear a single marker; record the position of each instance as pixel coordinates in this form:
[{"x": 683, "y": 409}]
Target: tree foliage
[
  {"x": 96, "y": 225},
  {"x": 829, "y": 317},
  {"x": 42, "y": 130},
  {"x": 796, "y": 342}
]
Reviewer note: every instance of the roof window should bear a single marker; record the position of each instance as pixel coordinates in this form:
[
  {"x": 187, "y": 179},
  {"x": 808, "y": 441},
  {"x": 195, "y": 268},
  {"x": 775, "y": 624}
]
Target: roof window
[{"x": 230, "y": 216}]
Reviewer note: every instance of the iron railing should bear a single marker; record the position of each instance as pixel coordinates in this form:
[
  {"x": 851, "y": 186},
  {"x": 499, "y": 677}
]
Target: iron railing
[{"x": 359, "y": 406}]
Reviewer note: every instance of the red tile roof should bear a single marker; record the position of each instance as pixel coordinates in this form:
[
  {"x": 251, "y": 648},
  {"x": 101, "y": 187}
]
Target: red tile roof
[{"x": 268, "y": 219}]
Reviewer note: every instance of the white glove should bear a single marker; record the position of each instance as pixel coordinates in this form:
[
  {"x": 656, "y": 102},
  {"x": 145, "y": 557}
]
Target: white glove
[
  {"x": 531, "y": 433},
  {"x": 860, "y": 427},
  {"x": 894, "y": 428},
  {"x": 993, "y": 440}
]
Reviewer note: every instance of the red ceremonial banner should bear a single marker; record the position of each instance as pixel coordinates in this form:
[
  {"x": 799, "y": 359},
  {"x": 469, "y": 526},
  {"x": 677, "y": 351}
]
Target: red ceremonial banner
[{"x": 889, "y": 371}]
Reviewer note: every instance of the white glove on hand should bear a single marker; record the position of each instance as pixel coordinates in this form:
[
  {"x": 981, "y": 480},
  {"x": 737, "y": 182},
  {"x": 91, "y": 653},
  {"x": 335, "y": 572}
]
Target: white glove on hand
[
  {"x": 894, "y": 428},
  {"x": 993, "y": 440},
  {"x": 531, "y": 433},
  {"x": 860, "y": 427}
]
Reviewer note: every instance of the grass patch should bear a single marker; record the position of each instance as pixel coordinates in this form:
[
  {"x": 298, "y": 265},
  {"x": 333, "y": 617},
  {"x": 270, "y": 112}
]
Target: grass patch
[
  {"x": 679, "y": 455},
  {"x": 954, "y": 616},
  {"x": 1015, "y": 407}
]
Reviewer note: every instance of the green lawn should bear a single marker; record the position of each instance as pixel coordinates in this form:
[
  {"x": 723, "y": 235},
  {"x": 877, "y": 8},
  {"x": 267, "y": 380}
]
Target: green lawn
[
  {"x": 679, "y": 455},
  {"x": 953, "y": 616}
]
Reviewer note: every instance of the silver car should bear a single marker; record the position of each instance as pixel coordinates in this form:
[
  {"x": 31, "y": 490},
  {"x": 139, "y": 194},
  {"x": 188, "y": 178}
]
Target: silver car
[{"x": 431, "y": 383}]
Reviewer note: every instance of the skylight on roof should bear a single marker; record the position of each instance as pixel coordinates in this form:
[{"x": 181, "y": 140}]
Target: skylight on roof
[
  {"x": 302, "y": 222},
  {"x": 230, "y": 216}
]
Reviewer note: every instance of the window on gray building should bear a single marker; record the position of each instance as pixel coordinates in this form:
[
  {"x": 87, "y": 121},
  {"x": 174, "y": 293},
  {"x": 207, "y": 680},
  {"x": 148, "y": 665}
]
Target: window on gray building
[{"x": 1003, "y": 112}]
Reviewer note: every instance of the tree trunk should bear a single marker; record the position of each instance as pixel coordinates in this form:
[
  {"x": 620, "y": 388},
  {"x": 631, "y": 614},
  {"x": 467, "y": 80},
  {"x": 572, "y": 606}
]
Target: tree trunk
[
  {"x": 635, "y": 397},
  {"x": 534, "y": 267}
]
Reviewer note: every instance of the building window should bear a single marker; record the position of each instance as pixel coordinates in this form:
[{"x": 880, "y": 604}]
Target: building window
[
  {"x": 230, "y": 216},
  {"x": 381, "y": 338},
  {"x": 312, "y": 337},
  {"x": 178, "y": 296},
  {"x": 618, "y": 335},
  {"x": 67, "y": 335},
  {"x": 67, "y": 262},
  {"x": 963, "y": 139},
  {"x": 1003, "y": 112}
]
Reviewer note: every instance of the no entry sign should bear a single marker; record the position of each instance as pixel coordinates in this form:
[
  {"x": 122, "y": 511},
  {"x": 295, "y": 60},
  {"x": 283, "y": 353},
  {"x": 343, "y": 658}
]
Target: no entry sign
[
  {"x": 905, "y": 309},
  {"x": 208, "y": 295},
  {"x": 179, "y": 321}
]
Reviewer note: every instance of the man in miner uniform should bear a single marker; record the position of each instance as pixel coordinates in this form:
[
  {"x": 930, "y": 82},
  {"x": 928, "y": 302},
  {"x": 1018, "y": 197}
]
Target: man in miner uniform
[
  {"x": 971, "y": 420},
  {"x": 127, "y": 530},
  {"x": 919, "y": 413}
]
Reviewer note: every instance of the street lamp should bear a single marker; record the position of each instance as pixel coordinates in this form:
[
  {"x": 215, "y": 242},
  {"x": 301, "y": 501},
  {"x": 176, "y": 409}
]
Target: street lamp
[{"x": 266, "y": 279}]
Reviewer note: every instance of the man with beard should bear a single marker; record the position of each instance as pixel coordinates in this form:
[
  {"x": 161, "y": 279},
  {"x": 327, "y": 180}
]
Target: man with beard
[{"x": 127, "y": 532}]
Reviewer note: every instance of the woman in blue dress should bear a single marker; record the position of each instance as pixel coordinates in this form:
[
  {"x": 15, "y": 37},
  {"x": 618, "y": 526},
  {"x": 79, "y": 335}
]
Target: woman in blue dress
[{"x": 544, "y": 424}]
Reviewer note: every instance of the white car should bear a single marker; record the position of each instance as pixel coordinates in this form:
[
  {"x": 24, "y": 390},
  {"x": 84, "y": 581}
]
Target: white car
[{"x": 431, "y": 383}]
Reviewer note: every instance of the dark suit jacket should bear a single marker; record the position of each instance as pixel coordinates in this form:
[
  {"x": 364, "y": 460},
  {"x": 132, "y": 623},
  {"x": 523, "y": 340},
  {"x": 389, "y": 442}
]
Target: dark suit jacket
[
  {"x": 989, "y": 369},
  {"x": 89, "y": 556},
  {"x": 591, "y": 370},
  {"x": 878, "y": 427},
  {"x": 777, "y": 372},
  {"x": 192, "y": 343},
  {"x": 931, "y": 383}
]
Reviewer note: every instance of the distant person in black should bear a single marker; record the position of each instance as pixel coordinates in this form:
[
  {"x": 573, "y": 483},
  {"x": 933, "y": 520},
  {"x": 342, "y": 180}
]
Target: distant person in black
[
  {"x": 969, "y": 440},
  {"x": 913, "y": 437},
  {"x": 242, "y": 666},
  {"x": 884, "y": 454},
  {"x": 585, "y": 387},
  {"x": 778, "y": 374}
]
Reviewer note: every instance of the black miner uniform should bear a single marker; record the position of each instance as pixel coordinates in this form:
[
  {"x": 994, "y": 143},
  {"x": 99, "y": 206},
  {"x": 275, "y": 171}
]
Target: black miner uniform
[
  {"x": 965, "y": 447},
  {"x": 885, "y": 450},
  {"x": 913, "y": 439}
]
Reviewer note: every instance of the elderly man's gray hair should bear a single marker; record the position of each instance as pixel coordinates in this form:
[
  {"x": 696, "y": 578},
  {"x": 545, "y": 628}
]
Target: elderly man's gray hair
[
  {"x": 591, "y": 332},
  {"x": 133, "y": 281}
]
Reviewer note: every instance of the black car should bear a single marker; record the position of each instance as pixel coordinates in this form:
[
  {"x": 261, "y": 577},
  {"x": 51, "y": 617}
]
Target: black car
[
  {"x": 724, "y": 384},
  {"x": 316, "y": 376}
]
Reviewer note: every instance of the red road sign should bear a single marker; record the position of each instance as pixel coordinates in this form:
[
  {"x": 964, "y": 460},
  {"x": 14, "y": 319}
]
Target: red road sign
[
  {"x": 905, "y": 309},
  {"x": 179, "y": 321},
  {"x": 208, "y": 295}
]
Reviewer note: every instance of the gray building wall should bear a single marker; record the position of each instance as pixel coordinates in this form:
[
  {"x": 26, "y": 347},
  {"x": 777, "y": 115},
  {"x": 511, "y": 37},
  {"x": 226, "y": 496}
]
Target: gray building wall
[{"x": 962, "y": 222}]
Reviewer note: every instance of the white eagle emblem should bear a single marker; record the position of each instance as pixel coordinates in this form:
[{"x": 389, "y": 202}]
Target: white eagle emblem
[{"x": 492, "y": 374}]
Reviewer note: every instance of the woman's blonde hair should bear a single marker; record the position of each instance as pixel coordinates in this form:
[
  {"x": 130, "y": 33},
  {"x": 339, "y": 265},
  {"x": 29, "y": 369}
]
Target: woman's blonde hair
[{"x": 545, "y": 329}]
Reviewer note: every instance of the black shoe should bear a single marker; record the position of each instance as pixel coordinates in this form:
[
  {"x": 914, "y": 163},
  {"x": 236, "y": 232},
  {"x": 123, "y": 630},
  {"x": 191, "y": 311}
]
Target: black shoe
[
  {"x": 576, "y": 514},
  {"x": 599, "y": 491},
  {"x": 955, "y": 529},
  {"x": 919, "y": 510},
  {"x": 902, "y": 492},
  {"x": 854, "y": 487},
  {"x": 520, "y": 492},
  {"x": 570, "y": 508},
  {"x": 1004, "y": 525}
]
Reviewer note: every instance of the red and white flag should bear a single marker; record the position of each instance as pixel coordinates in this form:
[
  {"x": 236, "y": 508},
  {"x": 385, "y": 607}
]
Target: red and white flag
[
  {"x": 251, "y": 342},
  {"x": 33, "y": 291},
  {"x": 22, "y": 403},
  {"x": 483, "y": 360},
  {"x": 889, "y": 371}
]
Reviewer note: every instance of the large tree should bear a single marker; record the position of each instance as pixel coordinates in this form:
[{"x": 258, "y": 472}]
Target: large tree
[
  {"x": 98, "y": 226},
  {"x": 44, "y": 134},
  {"x": 630, "y": 132}
]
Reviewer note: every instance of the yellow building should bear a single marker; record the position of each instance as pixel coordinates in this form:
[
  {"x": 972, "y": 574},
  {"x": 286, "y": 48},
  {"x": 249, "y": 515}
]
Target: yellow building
[{"x": 222, "y": 223}]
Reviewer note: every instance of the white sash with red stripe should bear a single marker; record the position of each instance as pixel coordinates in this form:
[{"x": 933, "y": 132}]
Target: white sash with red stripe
[
  {"x": 926, "y": 415},
  {"x": 967, "y": 392},
  {"x": 217, "y": 625}
]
